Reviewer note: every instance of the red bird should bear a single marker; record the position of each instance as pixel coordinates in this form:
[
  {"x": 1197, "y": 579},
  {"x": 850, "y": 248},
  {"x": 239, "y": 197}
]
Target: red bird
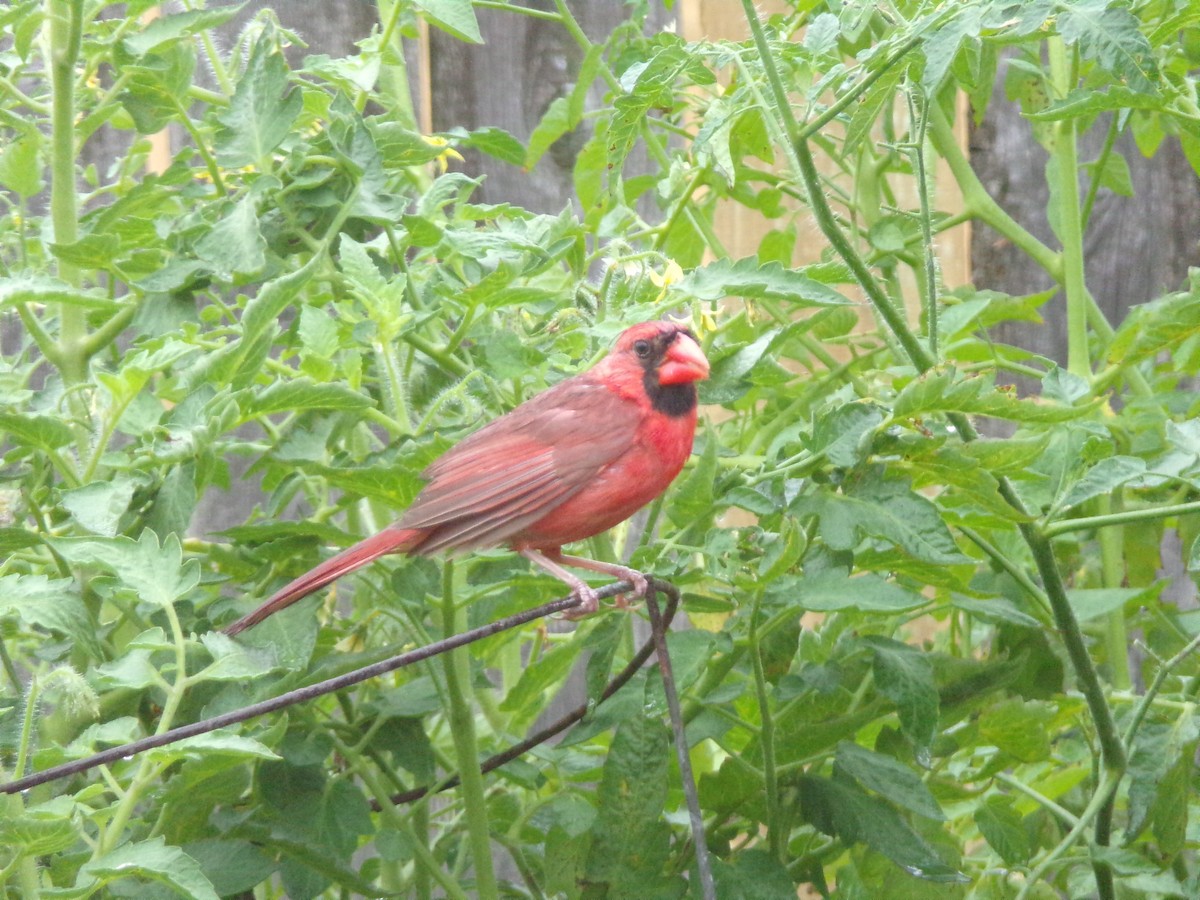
[{"x": 566, "y": 464}]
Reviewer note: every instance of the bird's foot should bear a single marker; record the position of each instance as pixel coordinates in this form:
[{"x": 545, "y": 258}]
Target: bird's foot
[
  {"x": 589, "y": 602},
  {"x": 640, "y": 586}
]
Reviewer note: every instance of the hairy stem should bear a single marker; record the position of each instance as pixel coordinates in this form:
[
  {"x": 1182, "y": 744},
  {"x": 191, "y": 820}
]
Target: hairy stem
[
  {"x": 65, "y": 23},
  {"x": 766, "y": 739},
  {"x": 1123, "y": 517},
  {"x": 1070, "y": 226},
  {"x": 457, "y": 666}
]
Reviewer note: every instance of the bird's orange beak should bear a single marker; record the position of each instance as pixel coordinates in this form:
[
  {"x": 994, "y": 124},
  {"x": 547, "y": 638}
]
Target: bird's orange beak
[{"x": 684, "y": 362}]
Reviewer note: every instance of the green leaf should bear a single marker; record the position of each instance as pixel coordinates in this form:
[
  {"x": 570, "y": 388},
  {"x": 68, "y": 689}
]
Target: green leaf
[
  {"x": 1113, "y": 173},
  {"x": 133, "y": 671},
  {"x": 39, "y": 432},
  {"x": 157, "y": 85},
  {"x": 1087, "y": 102},
  {"x": 888, "y": 777},
  {"x": 835, "y": 589},
  {"x": 1002, "y": 456},
  {"x": 217, "y": 743},
  {"x": 498, "y": 143},
  {"x": 22, "y": 164},
  {"x": 1169, "y": 813},
  {"x": 318, "y": 333},
  {"x": 1159, "y": 326},
  {"x": 12, "y": 539},
  {"x": 997, "y": 609},
  {"x": 754, "y": 874},
  {"x": 1091, "y": 603},
  {"x": 166, "y": 29},
  {"x": 691, "y": 500},
  {"x": 691, "y": 652},
  {"x": 92, "y": 251},
  {"x": 37, "y": 835},
  {"x": 150, "y": 860},
  {"x": 174, "y": 501},
  {"x": 155, "y": 574},
  {"x": 1019, "y": 728},
  {"x": 455, "y": 17},
  {"x": 262, "y": 109},
  {"x": 232, "y": 661},
  {"x": 1002, "y": 827},
  {"x": 905, "y": 676},
  {"x": 539, "y": 675},
  {"x": 235, "y": 245},
  {"x": 556, "y": 121},
  {"x": 1102, "y": 478},
  {"x": 727, "y": 380},
  {"x": 747, "y": 278},
  {"x": 233, "y": 866},
  {"x": 647, "y": 84},
  {"x": 1108, "y": 35},
  {"x": 301, "y": 393},
  {"x": 627, "y": 839},
  {"x": 940, "y": 390},
  {"x": 603, "y": 640},
  {"x": 99, "y": 506},
  {"x": 884, "y": 508},
  {"x": 53, "y": 604},
  {"x": 842, "y": 810},
  {"x": 25, "y": 288},
  {"x": 841, "y": 432},
  {"x": 876, "y": 98},
  {"x": 941, "y": 45}
]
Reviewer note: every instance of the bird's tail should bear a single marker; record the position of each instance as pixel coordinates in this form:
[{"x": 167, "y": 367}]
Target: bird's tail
[{"x": 390, "y": 540}]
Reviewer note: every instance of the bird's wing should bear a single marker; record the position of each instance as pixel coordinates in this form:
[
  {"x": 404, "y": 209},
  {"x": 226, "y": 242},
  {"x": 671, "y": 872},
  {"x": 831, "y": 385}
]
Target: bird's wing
[{"x": 519, "y": 468}]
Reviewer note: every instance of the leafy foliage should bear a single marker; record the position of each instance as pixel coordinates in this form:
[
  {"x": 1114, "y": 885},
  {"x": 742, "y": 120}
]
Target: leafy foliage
[{"x": 909, "y": 674}]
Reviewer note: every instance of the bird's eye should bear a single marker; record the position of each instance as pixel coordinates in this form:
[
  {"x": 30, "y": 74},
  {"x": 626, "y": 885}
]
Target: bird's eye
[{"x": 641, "y": 348}]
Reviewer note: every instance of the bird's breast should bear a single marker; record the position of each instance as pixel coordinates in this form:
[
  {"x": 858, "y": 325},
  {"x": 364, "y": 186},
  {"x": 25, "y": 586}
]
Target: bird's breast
[{"x": 653, "y": 457}]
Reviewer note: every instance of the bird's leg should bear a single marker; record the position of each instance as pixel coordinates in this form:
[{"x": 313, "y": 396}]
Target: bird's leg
[
  {"x": 588, "y": 601},
  {"x": 621, "y": 573}
]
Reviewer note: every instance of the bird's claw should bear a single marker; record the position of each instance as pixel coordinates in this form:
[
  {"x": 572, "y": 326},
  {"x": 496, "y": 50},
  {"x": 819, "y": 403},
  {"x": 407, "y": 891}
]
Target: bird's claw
[{"x": 589, "y": 602}]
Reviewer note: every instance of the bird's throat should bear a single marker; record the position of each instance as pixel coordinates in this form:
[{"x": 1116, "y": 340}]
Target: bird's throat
[{"x": 672, "y": 400}]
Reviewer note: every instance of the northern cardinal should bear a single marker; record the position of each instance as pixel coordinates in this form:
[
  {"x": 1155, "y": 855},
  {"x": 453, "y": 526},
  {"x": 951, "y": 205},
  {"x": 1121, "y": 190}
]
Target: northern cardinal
[{"x": 566, "y": 464}]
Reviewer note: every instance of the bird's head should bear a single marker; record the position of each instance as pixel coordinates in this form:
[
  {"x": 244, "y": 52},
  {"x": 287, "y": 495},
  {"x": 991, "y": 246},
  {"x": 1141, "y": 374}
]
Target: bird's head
[{"x": 669, "y": 360}]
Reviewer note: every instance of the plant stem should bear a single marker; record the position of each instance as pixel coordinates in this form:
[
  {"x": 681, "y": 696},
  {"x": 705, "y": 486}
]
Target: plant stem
[
  {"x": 1070, "y": 226},
  {"x": 10, "y": 670},
  {"x": 851, "y": 97},
  {"x": 65, "y": 18},
  {"x": 1112, "y": 566},
  {"x": 23, "y": 748},
  {"x": 1112, "y": 748},
  {"x": 1108, "y": 784},
  {"x": 1038, "y": 797},
  {"x": 1000, "y": 558},
  {"x": 930, "y": 260},
  {"x": 1147, "y": 700},
  {"x": 506, "y": 6},
  {"x": 461, "y": 718},
  {"x": 1110, "y": 140},
  {"x": 27, "y": 868},
  {"x": 1124, "y": 517},
  {"x": 148, "y": 770},
  {"x": 978, "y": 202},
  {"x": 766, "y": 739}
]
